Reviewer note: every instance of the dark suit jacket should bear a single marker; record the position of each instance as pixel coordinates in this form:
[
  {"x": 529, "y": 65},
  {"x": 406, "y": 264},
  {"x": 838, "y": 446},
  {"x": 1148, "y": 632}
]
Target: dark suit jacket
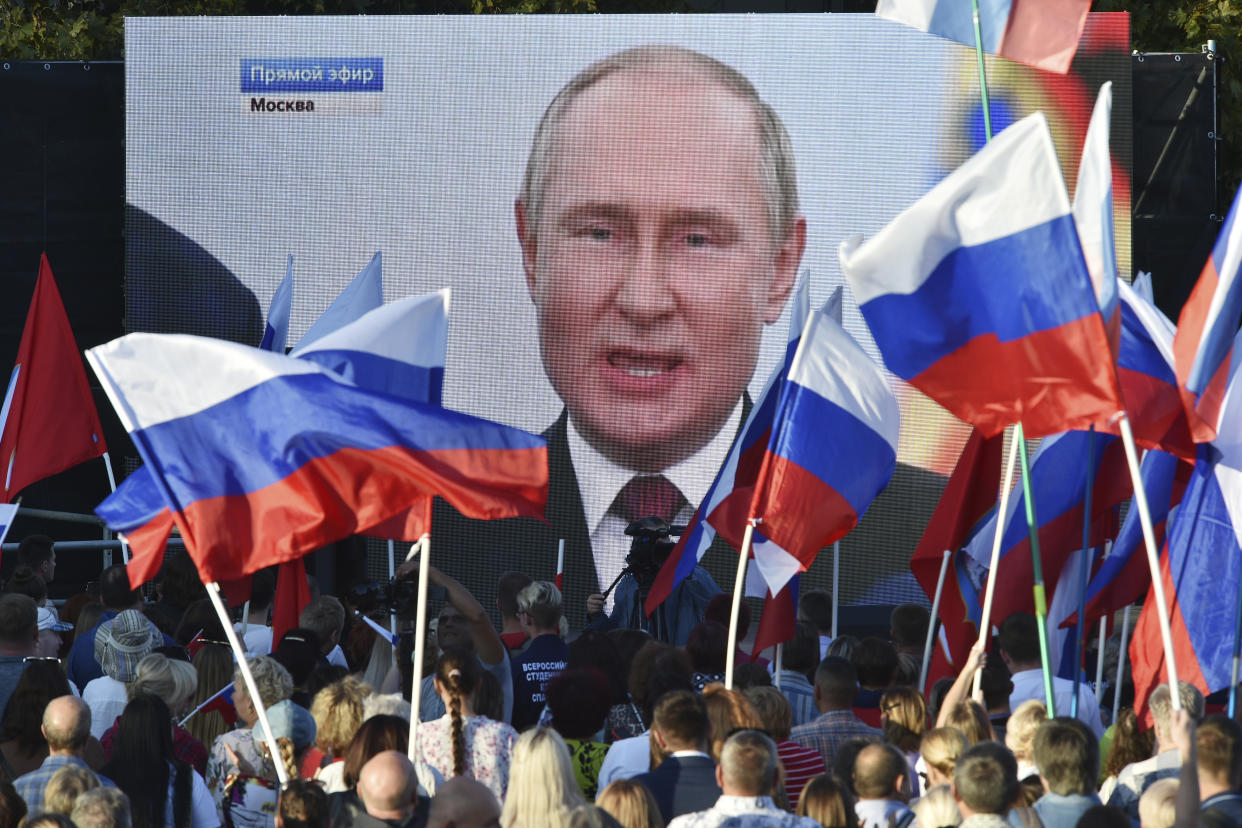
[{"x": 682, "y": 785}]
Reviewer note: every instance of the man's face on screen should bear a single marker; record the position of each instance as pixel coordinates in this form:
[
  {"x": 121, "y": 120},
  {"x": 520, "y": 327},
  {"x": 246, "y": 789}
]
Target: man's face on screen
[{"x": 653, "y": 266}]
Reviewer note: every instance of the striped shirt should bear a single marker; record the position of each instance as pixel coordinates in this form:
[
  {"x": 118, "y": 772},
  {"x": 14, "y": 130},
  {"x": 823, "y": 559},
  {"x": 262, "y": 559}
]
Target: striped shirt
[
  {"x": 801, "y": 766},
  {"x": 830, "y": 730}
]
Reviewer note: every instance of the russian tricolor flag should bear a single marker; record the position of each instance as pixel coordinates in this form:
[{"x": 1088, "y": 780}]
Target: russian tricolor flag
[
  {"x": 263, "y": 457},
  {"x": 1207, "y": 330},
  {"x": 1041, "y": 33},
  {"x": 978, "y": 294},
  {"x": 833, "y": 447}
]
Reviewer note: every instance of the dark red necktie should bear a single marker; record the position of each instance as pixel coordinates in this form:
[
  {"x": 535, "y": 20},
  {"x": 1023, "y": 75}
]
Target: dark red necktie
[{"x": 648, "y": 495}]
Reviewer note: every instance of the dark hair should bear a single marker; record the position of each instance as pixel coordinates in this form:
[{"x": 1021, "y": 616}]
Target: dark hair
[
  {"x": 88, "y": 618},
  {"x": 303, "y": 804},
  {"x": 909, "y": 625},
  {"x": 489, "y": 698},
  {"x": 720, "y": 608},
  {"x": 750, "y": 674},
  {"x": 1109, "y": 816},
  {"x": 681, "y": 717},
  {"x": 656, "y": 658},
  {"x": 1220, "y": 748},
  {"x": 377, "y": 734},
  {"x": 1067, "y": 755},
  {"x": 25, "y": 581},
  {"x": 40, "y": 682},
  {"x": 876, "y": 661},
  {"x": 707, "y": 647},
  {"x": 847, "y": 752},
  {"x": 298, "y": 652},
  {"x": 115, "y": 591},
  {"x": 598, "y": 651},
  {"x": 180, "y": 585},
  {"x": 801, "y": 652},
  {"x": 816, "y": 606},
  {"x": 141, "y": 753},
  {"x": 19, "y": 619},
  {"x": 458, "y": 672},
  {"x": 877, "y": 768},
  {"x": 263, "y": 588},
  {"x": 507, "y": 588},
  {"x": 34, "y": 551},
  {"x": 12, "y": 806},
  {"x": 47, "y": 819},
  {"x": 1019, "y": 636},
  {"x": 324, "y": 675},
  {"x": 837, "y": 681},
  {"x": 986, "y": 778},
  {"x": 579, "y": 700},
  {"x": 936, "y": 695},
  {"x": 199, "y": 616},
  {"x": 996, "y": 682},
  {"x": 628, "y": 642}
]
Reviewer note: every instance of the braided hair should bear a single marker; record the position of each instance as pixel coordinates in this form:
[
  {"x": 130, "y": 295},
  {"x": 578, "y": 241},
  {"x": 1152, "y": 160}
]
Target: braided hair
[{"x": 458, "y": 673}]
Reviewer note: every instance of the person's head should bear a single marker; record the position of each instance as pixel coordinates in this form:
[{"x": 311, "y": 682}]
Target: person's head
[
  {"x": 903, "y": 716},
  {"x": 880, "y": 772},
  {"x": 326, "y": 616},
  {"x": 40, "y": 682},
  {"x": 199, "y": 617},
  {"x": 1158, "y": 804},
  {"x": 1220, "y": 752},
  {"x": 707, "y": 646},
  {"x": 815, "y": 606},
  {"x": 458, "y": 676},
  {"x": 173, "y": 681},
  {"x": 876, "y": 661},
  {"x": 680, "y": 722},
  {"x": 115, "y": 592},
  {"x": 507, "y": 589},
  {"x": 727, "y": 710},
  {"x": 748, "y": 764},
  {"x": 908, "y": 627},
  {"x": 598, "y": 651},
  {"x": 659, "y": 227},
  {"x": 377, "y": 734},
  {"x": 338, "y": 712},
  {"x": 386, "y": 704},
  {"x": 1018, "y": 642},
  {"x": 1130, "y": 742},
  {"x": 937, "y": 807},
  {"x": 272, "y": 681},
  {"x": 48, "y": 820},
  {"x": 462, "y": 802},
  {"x": 19, "y": 624},
  {"x": 123, "y": 642},
  {"x": 25, "y": 581},
  {"x": 970, "y": 718},
  {"x": 50, "y": 628},
  {"x": 12, "y": 806},
  {"x": 828, "y": 801},
  {"x": 179, "y": 583},
  {"x": 293, "y": 729},
  {"x": 1067, "y": 755},
  {"x": 631, "y": 804},
  {"x": 101, "y": 807},
  {"x": 262, "y": 589},
  {"x": 302, "y": 804},
  {"x": 66, "y": 724},
  {"x": 387, "y": 786},
  {"x": 539, "y": 608},
  {"x": 1112, "y": 816},
  {"x": 453, "y": 629},
  {"x": 299, "y": 651},
  {"x": 579, "y": 701},
  {"x": 836, "y": 684},
  {"x": 38, "y": 553},
  {"x": 774, "y": 710},
  {"x": 996, "y": 683},
  {"x": 1022, "y": 726},
  {"x": 1161, "y": 703},
  {"x": 986, "y": 780},
  {"x": 940, "y": 748},
  {"x": 843, "y": 760},
  {"x": 542, "y": 786},
  {"x": 657, "y": 660},
  {"x": 65, "y": 786},
  {"x": 801, "y": 652}
]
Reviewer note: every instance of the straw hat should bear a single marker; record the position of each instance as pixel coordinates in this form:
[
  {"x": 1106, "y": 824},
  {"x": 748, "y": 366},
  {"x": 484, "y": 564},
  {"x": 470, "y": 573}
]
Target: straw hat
[{"x": 123, "y": 642}]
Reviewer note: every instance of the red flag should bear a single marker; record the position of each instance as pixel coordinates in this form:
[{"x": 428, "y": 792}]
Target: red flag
[
  {"x": 49, "y": 422},
  {"x": 292, "y": 596},
  {"x": 780, "y": 615},
  {"x": 967, "y": 499}
]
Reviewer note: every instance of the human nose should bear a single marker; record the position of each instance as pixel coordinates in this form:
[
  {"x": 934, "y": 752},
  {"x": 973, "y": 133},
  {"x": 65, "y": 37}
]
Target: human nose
[{"x": 646, "y": 294}]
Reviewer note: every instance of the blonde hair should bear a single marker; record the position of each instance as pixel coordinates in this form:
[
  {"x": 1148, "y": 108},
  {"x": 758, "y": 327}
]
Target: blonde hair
[
  {"x": 64, "y": 788},
  {"x": 727, "y": 710},
  {"x": 173, "y": 681},
  {"x": 905, "y": 717},
  {"x": 937, "y": 807},
  {"x": 338, "y": 710},
  {"x": 1158, "y": 804},
  {"x": 828, "y": 801},
  {"x": 970, "y": 718},
  {"x": 214, "y": 667},
  {"x": 941, "y": 748},
  {"x": 542, "y": 787},
  {"x": 1020, "y": 730},
  {"x": 630, "y": 804}
]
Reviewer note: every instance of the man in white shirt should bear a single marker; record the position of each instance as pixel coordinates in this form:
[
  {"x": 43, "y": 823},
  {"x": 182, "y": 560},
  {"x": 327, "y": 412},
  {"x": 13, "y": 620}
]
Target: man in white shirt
[
  {"x": 747, "y": 777},
  {"x": 1018, "y": 643},
  {"x": 1136, "y": 777}
]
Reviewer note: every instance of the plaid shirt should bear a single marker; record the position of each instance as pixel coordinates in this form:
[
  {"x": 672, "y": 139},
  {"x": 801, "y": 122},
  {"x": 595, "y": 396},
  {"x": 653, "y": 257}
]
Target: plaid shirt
[
  {"x": 31, "y": 786},
  {"x": 801, "y": 695},
  {"x": 827, "y": 733}
]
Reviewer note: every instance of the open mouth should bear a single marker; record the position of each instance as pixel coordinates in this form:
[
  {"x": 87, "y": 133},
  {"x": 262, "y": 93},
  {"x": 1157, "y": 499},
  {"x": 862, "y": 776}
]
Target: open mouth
[{"x": 641, "y": 364}]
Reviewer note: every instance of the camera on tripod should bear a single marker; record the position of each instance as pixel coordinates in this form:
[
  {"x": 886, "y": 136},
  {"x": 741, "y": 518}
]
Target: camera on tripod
[{"x": 397, "y": 597}]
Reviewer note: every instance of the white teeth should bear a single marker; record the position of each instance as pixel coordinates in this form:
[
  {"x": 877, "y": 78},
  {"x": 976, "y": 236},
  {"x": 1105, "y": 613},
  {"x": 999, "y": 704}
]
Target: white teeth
[{"x": 642, "y": 372}]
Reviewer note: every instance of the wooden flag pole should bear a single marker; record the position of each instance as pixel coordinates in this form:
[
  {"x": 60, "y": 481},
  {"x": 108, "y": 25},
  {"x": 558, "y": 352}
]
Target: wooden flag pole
[
  {"x": 420, "y": 637},
  {"x": 931, "y": 623},
  {"x": 213, "y": 592},
  {"x": 985, "y": 619},
  {"x": 739, "y": 586},
  {"x": 1153, "y": 560}
]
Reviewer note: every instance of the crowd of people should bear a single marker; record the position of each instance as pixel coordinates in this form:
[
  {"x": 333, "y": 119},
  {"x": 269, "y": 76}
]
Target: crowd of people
[{"x": 111, "y": 715}]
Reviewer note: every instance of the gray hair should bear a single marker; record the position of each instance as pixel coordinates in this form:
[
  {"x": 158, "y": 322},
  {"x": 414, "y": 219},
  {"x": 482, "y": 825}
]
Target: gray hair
[
  {"x": 101, "y": 808},
  {"x": 270, "y": 677},
  {"x": 776, "y": 166},
  {"x": 1161, "y": 703},
  {"x": 158, "y": 675}
]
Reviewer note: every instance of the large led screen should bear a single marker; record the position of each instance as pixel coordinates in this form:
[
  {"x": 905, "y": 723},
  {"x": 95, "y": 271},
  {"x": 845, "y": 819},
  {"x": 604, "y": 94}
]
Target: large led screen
[{"x": 621, "y": 284}]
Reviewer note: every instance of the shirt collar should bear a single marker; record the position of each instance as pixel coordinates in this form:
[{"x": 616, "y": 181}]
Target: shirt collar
[
  {"x": 600, "y": 479},
  {"x": 743, "y": 804}
]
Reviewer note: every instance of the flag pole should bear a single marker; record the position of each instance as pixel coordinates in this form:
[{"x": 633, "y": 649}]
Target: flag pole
[
  {"x": 1002, "y": 508},
  {"x": 420, "y": 637},
  {"x": 1080, "y": 628},
  {"x": 206, "y": 702},
  {"x": 112, "y": 485},
  {"x": 836, "y": 579},
  {"x": 1037, "y": 572},
  {"x": 1237, "y": 653},
  {"x": 778, "y": 663},
  {"x": 392, "y": 573},
  {"x": 1153, "y": 560},
  {"x": 1099, "y": 660},
  {"x": 739, "y": 586},
  {"x": 252, "y": 689},
  {"x": 1121, "y": 662},
  {"x": 931, "y": 623}
]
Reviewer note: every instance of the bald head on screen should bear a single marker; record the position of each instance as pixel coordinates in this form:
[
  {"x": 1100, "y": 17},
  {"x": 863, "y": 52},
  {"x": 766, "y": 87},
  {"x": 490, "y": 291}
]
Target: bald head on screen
[{"x": 660, "y": 232}]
